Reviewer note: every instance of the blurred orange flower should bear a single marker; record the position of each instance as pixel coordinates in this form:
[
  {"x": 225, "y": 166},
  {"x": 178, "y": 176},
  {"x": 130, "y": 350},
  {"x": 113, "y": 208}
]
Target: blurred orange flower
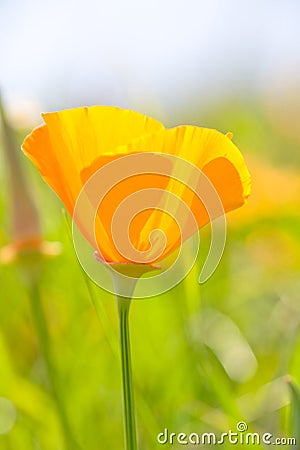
[
  {"x": 74, "y": 144},
  {"x": 276, "y": 193},
  {"x": 25, "y": 229}
]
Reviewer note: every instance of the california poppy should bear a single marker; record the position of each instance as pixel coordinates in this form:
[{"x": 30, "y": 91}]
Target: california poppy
[
  {"x": 75, "y": 144},
  {"x": 136, "y": 179}
]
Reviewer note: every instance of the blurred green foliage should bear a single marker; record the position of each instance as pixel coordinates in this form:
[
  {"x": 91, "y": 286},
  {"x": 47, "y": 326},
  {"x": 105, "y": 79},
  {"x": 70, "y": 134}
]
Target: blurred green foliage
[{"x": 204, "y": 357}]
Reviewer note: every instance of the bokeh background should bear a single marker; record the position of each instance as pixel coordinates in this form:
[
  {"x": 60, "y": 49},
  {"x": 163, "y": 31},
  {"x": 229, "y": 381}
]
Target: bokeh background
[{"x": 204, "y": 357}]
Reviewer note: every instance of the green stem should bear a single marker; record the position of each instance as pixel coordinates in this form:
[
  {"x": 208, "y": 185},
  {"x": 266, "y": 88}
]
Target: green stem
[
  {"x": 43, "y": 335},
  {"x": 143, "y": 408},
  {"x": 128, "y": 397}
]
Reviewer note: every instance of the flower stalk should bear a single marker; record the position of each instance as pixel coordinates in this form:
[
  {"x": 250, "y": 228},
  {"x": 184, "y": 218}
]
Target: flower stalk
[
  {"x": 22, "y": 202},
  {"x": 25, "y": 227},
  {"x": 126, "y": 285},
  {"x": 128, "y": 394},
  {"x": 28, "y": 251}
]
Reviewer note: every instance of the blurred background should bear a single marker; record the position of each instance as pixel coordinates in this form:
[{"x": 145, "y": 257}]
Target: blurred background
[{"x": 204, "y": 357}]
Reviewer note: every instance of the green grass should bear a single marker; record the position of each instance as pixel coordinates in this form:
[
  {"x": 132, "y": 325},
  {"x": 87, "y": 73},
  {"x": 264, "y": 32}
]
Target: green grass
[{"x": 204, "y": 357}]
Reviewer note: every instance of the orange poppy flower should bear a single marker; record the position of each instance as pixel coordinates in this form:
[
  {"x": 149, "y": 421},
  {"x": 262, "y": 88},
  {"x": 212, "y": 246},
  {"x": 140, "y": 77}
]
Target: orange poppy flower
[{"x": 75, "y": 145}]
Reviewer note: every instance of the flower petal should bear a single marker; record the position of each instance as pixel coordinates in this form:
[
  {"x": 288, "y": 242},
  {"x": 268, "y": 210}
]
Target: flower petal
[
  {"x": 71, "y": 140},
  {"x": 216, "y": 156},
  {"x": 74, "y": 144}
]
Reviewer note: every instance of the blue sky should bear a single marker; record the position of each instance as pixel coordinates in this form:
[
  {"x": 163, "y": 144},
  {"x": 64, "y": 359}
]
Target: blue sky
[{"x": 64, "y": 53}]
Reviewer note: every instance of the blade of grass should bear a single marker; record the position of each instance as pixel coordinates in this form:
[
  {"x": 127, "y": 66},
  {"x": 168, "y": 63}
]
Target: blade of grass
[
  {"x": 295, "y": 409},
  {"x": 44, "y": 340}
]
